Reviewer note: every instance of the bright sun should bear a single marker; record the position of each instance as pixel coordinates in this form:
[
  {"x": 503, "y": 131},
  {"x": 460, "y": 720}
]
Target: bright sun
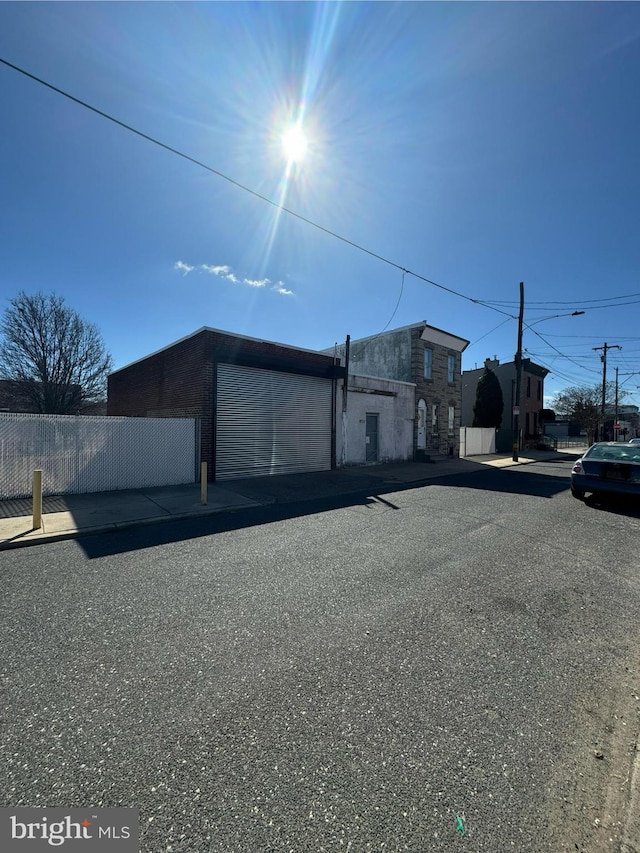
[{"x": 294, "y": 143}]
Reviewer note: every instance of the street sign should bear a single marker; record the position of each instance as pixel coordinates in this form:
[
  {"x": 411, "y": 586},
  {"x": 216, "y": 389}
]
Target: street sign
[{"x": 516, "y": 410}]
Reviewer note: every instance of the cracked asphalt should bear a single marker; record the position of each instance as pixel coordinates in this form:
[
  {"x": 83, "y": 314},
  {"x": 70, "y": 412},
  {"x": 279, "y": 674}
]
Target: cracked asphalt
[{"x": 452, "y": 667}]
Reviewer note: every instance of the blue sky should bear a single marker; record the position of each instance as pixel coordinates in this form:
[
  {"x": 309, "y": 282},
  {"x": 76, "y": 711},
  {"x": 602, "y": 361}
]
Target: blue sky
[{"x": 477, "y": 145}]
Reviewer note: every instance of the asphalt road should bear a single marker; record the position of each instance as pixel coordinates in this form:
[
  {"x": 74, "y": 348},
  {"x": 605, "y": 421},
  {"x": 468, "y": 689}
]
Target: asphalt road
[{"x": 453, "y": 667}]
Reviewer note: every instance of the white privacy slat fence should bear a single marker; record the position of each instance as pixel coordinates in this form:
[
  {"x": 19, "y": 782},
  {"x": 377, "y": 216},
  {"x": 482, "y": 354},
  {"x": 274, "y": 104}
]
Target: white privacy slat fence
[
  {"x": 81, "y": 454},
  {"x": 475, "y": 441}
]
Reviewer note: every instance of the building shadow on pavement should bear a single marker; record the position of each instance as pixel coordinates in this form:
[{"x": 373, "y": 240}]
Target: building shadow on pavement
[{"x": 517, "y": 481}]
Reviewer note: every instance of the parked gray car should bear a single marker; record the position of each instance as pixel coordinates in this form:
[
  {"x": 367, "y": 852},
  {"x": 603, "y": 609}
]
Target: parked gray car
[{"x": 607, "y": 467}]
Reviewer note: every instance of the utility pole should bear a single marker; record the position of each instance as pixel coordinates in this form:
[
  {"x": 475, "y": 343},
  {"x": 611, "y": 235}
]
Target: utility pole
[
  {"x": 345, "y": 382},
  {"x": 605, "y": 348},
  {"x": 629, "y": 375},
  {"x": 615, "y": 415},
  {"x": 518, "y": 362}
]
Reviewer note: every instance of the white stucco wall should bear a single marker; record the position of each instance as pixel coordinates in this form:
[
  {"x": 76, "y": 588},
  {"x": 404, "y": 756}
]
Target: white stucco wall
[{"x": 395, "y": 408}]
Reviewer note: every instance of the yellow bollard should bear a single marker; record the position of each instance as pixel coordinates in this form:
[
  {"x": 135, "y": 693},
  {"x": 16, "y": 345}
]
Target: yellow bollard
[
  {"x": 37, "y": 499},
  {"x": 203, "y": 483}
]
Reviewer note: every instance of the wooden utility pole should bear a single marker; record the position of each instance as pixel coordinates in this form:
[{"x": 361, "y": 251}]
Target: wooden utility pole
[
  {"x": 518, "y": 363},
  {"x": 345, "y": 381},
  {"x": 604, "y": 349},
  {"x": 615, "y": 414}
]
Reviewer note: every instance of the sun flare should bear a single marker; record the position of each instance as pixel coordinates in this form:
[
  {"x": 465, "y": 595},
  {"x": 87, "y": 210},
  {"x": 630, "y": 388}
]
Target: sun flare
[{"x": 294, "y": 143}]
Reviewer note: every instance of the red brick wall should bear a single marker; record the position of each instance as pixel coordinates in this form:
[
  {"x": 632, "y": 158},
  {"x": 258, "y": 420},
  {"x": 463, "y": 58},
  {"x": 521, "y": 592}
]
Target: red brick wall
[
  {"x": 531, "y": 404},
  {"x": 269, "y": 352},
  {"x": 174, "y": 383},
  {"x": 179, "y": 381}
]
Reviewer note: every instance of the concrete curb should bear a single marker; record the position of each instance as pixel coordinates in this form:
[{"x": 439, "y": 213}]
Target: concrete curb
[
  {"x": 261, "y": 502},
  {"x": 253, "y": 503},
  {"x": 112, "y": 527}
]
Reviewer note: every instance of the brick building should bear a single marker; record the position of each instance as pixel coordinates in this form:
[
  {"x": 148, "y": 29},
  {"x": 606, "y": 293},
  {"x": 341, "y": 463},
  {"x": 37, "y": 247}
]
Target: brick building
[
  {"x": 13, "y": 397},
  {"x": 28, "y": 398},
  {"x": 264, "y": 408},
  {"x": 531, "y": 397}
]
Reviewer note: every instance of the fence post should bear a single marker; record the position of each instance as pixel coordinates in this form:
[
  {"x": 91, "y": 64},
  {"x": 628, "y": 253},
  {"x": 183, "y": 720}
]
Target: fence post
[
  {"x": 203, "y": 483},
  {"x": 37, "y": 499}
]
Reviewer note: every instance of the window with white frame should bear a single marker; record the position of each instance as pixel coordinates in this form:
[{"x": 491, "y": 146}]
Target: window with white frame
[
  {"x": 451, "y": 420},
  {"x": 428, "y": 363},
  {"x": 451, "y": 368},
  {"x": 434, "y": 418}
]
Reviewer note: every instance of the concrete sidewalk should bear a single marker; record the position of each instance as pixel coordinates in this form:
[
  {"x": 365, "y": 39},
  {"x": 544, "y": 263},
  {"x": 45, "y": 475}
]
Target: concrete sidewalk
[{"x": 68, "y": 516}]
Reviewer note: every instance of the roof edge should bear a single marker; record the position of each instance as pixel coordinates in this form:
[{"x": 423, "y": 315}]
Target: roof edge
[{"x": 233, "y": 335}]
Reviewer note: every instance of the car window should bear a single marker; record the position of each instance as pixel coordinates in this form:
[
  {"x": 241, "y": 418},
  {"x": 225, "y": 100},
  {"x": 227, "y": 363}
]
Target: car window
[
  {"x": 619, "y": 453},
  {"x": 595, "y": 452}
]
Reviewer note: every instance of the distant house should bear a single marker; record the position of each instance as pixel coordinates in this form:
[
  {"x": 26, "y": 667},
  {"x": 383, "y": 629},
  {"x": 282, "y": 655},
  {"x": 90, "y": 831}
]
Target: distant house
[
  {"x": 428, "y": 358},
  {"x": 627, "y": 423},
  {"x": 15, "y": 397},
  {"x": 562, "y": 429},
  {"x": 531, "y": 396}
]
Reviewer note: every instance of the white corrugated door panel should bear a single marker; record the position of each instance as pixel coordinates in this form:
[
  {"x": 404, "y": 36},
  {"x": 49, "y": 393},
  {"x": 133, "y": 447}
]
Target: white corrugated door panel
[{"x": 269, "y": 422}]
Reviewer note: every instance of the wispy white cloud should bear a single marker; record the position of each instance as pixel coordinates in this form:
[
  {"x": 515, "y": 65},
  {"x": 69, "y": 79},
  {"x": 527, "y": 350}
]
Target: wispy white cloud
[
  {"x": 184, "y": 268},
  {"x": 280, "y": 288},
  {"x": 221, "y": 270},
  {"x": 217, "y": 270},
  {"x": 226, "y": 272}
]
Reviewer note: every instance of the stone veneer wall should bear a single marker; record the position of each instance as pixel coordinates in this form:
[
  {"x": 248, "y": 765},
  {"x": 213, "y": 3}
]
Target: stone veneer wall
[{"x": 437, "y": 390}]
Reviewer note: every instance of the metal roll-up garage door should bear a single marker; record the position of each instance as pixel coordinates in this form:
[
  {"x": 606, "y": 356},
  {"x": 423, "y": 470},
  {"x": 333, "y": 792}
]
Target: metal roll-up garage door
[{"x": 269, "y": 422}]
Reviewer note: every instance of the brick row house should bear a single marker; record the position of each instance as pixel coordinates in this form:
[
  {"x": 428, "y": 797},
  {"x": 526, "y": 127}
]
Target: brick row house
[{"x": 531, "y": 398}]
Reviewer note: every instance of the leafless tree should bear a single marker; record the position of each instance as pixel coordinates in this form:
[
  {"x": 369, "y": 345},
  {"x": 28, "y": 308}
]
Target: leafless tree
[
  {"x": 55, "y": 359},
  {"x": 583, "y": 404}
]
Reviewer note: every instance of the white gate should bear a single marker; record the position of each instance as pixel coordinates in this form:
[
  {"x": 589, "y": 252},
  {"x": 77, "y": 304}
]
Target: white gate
[
  {"x": 82, "y": 454},
  {"x": 476, "y": 441}
]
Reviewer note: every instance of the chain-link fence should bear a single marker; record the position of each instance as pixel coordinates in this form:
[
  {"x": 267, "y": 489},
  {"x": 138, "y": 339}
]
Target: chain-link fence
[
  {"x": 571, "y": 442},
  {"x": 81, "y": 454}
]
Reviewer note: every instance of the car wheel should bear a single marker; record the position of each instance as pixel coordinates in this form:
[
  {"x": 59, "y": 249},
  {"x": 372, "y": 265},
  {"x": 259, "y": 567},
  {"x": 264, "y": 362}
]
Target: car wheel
[{"x": 577, "y": 493}]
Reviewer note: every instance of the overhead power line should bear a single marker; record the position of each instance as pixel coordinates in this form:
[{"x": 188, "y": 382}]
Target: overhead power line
[
  {"x": 590, "y": 337},
  {"x": 618, "y": 305},
  {"x": 573, "y": 302},
  {"x": 237, "y": 184},
  {"x": 491, "y": 304},
  {"x": 486, "y": 334},
  {"x": 549, "y": 344},
  {"x": 560, "y": 374}
]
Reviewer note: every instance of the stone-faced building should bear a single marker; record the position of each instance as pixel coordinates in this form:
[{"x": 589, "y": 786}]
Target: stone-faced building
[{"x": 429, "y": 358}]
